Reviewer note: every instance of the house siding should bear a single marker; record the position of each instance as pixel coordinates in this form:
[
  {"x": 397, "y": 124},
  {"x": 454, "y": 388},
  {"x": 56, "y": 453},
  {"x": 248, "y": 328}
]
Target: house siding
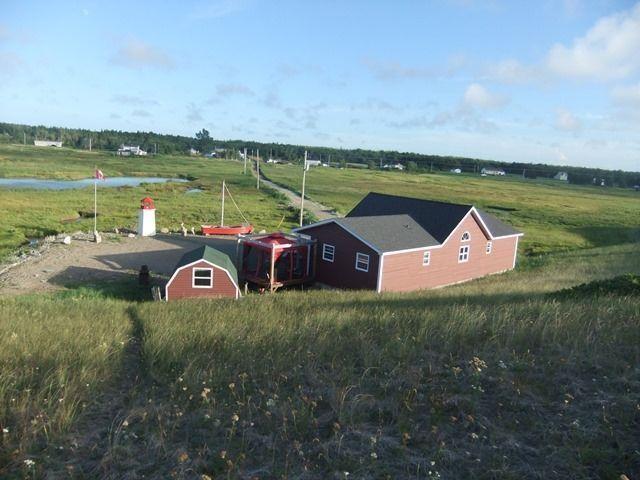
[
  {"x": 181, "y": 285},
  {"x": 405, "y": 272},
  {"x": 342, "y": 272}
]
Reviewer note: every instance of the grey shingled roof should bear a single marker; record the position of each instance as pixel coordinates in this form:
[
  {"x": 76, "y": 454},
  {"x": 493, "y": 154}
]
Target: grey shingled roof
[
  {"x": 496, "y": 226},
  {"x": 388, "y": 232},
  {"x": 437, "y": 218},
  {"x": 211, "y": 255}
]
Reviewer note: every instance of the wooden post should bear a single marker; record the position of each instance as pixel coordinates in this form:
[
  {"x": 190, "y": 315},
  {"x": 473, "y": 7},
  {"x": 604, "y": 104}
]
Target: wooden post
[{"x": 245, "y": 162}]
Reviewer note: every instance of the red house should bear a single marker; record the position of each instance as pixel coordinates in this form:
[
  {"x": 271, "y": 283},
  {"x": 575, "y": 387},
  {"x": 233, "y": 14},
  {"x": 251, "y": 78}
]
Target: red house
[
  {"x": 203, "y": 272},
  {"x": 392, "y": 243}
]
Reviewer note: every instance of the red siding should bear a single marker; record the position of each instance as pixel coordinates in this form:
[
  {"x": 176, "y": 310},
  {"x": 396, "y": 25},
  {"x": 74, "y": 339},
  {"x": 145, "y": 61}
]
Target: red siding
[
  {"x": 342, "y": 272},
  {"x": 405, "y": 272},
  {"x": 180, "y": 285}
]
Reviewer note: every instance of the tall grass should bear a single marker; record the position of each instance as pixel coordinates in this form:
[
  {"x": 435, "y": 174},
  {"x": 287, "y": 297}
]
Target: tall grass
[{"x": 56, "y": 355}]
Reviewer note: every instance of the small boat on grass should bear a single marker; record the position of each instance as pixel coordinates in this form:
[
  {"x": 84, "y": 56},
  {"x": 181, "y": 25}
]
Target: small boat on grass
[{"x": 223, "y": 229}]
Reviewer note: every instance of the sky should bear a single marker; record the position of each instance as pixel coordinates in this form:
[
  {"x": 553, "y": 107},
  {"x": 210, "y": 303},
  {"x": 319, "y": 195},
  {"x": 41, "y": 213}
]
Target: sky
[{"x": 552, "y": 81}]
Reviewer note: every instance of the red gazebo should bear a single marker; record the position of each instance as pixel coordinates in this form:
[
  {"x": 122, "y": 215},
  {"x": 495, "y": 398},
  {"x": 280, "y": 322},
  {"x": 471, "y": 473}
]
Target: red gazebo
[{"x": 277, "y": 260}]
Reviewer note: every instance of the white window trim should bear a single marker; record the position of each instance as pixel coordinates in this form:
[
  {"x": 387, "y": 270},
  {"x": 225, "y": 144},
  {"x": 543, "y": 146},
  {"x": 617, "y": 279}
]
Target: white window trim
[
  {"x": 462, "y": 258},
  {"x": 426, "y": 255},
  {"x": 468, "y": 239},
  {"x": 193, "y": 277},
  {"x": 325, "y": 246},
  {"x": 360, "y": 259},
  {"x": 489, "y": 248}
]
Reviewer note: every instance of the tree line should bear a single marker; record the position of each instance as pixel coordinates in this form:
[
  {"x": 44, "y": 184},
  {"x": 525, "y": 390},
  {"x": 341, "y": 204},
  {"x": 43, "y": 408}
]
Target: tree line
[{"x": 202, "y": 141}]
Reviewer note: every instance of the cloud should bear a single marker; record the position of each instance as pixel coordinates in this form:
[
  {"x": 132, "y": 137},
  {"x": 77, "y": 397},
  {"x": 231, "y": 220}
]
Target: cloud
[
  {"x": 194, "y": 113},
  {"x": 132, "y": 100},
  {"x": 513, "y": 71},
  {"x": 229, "y": 89},
  {"x": 272, "y": 99},
  {"x": 477, "y": 96},
  {"x": 217, "y": 9},
  {"x": 373, "y": 103},
  {"x": 628, "y": 95},
  {"x": 609, "y": 50},
  {"x": 134, "y": 53},
  {"x": 392, "y": 70},
  {"x": 9, "y": 62},
  {"x": 567, "y": 121},
  {"x": 140, "y": 113},
  {"x": 4, "y": 32}
]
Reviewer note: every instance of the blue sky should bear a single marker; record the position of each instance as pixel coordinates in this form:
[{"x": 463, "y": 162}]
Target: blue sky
[{"x": 554, "y": 81}]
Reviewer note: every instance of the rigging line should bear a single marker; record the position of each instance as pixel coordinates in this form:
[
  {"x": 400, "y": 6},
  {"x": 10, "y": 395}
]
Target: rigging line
[
  {"x": 278, "y": 227},
  {"x": 236, "y": 205}
]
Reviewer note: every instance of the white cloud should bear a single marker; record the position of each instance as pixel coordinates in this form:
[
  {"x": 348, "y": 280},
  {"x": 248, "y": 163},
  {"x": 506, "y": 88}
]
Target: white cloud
[
  {"x": 228, "y": 89},
  {"x": 513, "y": 71},
  {"x": 135, "y": 53},
  {"x": 477, "y": 96},
  {"x": 567, "y": 121},
  {"x": 628, "y": 95},
  {"x": 392, "y": 70},
  {"x": 194, "y": 114},
  {"x": 609, "y": 50}
]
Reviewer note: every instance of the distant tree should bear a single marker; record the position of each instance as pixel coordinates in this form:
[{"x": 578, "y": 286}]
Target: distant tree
[
  {"x": 372, "y": 165},
  {"x": 204, "y": 140},
  {"x": 412, "y": 166}
]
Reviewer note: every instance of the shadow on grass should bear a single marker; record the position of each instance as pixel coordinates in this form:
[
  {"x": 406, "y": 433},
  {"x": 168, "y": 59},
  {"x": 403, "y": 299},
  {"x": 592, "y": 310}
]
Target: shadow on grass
[
  {"x": 608, "y": 235},
  {"x": 95, "y": 283}
]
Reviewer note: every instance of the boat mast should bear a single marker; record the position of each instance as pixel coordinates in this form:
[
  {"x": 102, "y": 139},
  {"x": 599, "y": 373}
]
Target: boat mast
[{"x": 222, "y": 215}]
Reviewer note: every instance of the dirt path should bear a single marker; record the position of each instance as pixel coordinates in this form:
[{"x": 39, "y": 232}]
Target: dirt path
[
  {"x": 322, "y": 212},
  {"x": 56, "y": 265}
]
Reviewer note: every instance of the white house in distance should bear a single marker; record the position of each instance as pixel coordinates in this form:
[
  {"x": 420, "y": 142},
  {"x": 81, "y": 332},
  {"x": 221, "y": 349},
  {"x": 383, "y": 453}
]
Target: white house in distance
[
  {"x": 193, "y": 151},
  {"x": 562, "y": 176},
  {"x": 128, "y": 150},
  {"x": 395, "y": 166},
  {"x": 492, "y": 171},
  {"x": 455, "y": 170},
  {"x": 47, "y": 143}
]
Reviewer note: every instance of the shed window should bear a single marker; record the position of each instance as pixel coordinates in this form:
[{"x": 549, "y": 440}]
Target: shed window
[
  {"x": 328, "y": 252},
  {"x": 465, "y": 237},
  {"x": 463, "y": 254},
  {"x": 426, "y": 258},
  {"x": 489, "y": 247},
  {"x": 202, "y": 278},
  {"x": 362, "y": 262}
]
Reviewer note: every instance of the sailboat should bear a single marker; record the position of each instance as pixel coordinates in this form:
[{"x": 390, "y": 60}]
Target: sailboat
[{"x": 223, "y": 229}]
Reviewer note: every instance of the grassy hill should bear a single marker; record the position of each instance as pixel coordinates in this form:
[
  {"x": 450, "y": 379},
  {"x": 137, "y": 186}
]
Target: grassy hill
[
  {"x": 497, "y": 378},
  {"x": 553, "y": 215}
]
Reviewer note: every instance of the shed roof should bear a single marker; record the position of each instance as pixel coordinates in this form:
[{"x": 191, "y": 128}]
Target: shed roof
[{"x": 211, "y": 255}]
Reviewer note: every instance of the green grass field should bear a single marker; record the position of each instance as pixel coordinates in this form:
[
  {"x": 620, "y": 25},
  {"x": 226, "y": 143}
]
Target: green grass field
[
  {"x": 553, "y": 216},
  {"x": 509, "y": 376},
  {"x": 27, "y": 214}
]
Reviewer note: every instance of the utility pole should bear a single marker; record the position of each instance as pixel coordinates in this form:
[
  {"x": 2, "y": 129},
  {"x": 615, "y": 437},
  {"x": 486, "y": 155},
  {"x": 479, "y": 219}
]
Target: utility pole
[
  {"x": 24, "y": 138},
  {"x": 155, "y": 149},
  {"x": 89, "y": 143},
  {"x": 523, "y": 173},
  {"x": 245, "y": 161},
  {"x": 258, "y": 169},
  {"x": 431, "y": 168},
  {"x": 304, "y": 177}
]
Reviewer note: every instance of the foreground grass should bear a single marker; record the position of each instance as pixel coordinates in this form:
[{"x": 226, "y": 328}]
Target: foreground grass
[
  {"x": 56, "y": 355},
  {"x": 554, "y": 216},
  {"x": 27, "y": 214},
  {"x": 497, "y": 378}
]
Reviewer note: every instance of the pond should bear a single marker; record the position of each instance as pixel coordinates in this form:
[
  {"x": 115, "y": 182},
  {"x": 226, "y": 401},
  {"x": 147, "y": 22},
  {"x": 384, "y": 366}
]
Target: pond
[{"x": 43, "y": 184}]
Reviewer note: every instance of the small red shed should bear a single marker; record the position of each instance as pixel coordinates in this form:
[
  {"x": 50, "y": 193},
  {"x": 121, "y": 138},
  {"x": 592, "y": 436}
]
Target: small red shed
[
  {"x": 277, "y": 260},
  {"x": 203, "y": 272}
]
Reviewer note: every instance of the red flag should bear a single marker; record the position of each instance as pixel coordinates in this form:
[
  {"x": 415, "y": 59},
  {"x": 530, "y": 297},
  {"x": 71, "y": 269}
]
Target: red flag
[{"x": 99, "y": 175}]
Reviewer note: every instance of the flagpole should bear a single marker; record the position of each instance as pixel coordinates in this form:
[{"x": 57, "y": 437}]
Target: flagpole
[{"x": 95, "y": 201}]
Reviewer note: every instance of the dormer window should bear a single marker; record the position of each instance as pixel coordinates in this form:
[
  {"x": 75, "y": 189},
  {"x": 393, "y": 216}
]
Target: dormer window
[{"x": 465, "y": 237}]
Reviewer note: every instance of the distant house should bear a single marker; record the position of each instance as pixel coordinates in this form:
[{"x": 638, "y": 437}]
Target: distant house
[
  {"x": 393, "y": 166},
  {"x": 193, "y": 151},
  {"x": 562, "y": 176},
  {"x": 203, "y": 272},
  {"x": 128, "y": 150},
  {"x": 455, "y": 170},
  {"x": 313, "y": 163},
  {"x": 392, "y": 243},
  {"x": 47, "y": 143},
  {"x": 492, "y": 171}
]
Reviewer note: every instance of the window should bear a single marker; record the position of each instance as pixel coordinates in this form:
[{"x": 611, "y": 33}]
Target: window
[
  {"x": 426, "y": 258},
  {"x": 463, "y": 254},
  {"x": 202, "y": 278},
  {"x": 465, "y": 237},
  {"x": 328, "y": 252},
  {"x": 489, "y": 247},
  {"x": 362, "y": 262}
]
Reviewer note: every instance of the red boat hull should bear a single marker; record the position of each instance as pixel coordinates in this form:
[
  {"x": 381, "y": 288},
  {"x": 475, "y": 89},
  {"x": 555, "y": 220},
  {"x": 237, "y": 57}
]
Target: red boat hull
[{"x": 226, "y": 230}]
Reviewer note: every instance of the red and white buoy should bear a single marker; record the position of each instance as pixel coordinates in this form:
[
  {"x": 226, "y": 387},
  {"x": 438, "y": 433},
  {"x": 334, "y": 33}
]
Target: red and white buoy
[{"x": 147, "y": 218}]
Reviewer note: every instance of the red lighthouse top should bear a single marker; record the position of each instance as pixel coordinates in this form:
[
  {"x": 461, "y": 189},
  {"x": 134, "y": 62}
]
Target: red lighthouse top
[{"x": 147, "y": 204}]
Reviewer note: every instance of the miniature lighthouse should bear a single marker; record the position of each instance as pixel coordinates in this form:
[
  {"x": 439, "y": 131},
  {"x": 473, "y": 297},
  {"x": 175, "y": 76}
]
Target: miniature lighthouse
[{"x": 147, "y": 218}]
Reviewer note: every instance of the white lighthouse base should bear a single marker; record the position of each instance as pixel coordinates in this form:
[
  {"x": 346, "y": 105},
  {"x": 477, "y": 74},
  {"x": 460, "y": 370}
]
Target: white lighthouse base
[{"x": 146, "y": 222}]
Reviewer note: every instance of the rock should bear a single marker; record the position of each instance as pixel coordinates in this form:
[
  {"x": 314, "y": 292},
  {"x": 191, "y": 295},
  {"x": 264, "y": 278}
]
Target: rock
[
  {"x": 131, "y": 235},
  {"x": 67, "y": 240},
  {"x": 97, "y": 237},
  {"x": 50, "y": 238},
  {"x": 262, "y": 231},
  {"x": 193, "y": 231},
  {"x": 116, "y": 231},
  {"x": 184, "y": 229},
  {"x": 164, "y": 230}
]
